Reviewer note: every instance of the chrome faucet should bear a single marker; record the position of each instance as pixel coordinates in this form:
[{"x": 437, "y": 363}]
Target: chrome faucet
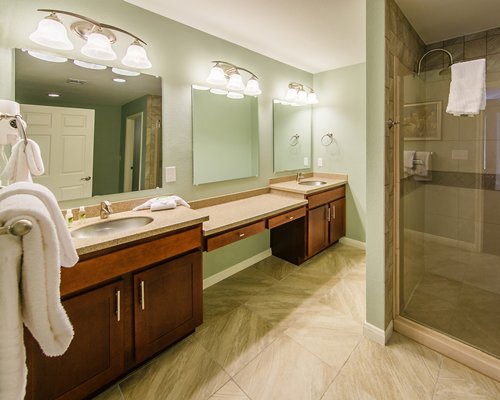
[
  {"x": 299, "y": 176},
  {"x": 105, "y": 209}
]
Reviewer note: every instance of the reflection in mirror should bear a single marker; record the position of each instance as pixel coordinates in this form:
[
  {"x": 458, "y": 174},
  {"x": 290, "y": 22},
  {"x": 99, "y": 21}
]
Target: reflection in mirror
[
  {"x": 225, "y": 137},
  {"x": 292, "y": 136},
  {"x": 97, "y": 136}
]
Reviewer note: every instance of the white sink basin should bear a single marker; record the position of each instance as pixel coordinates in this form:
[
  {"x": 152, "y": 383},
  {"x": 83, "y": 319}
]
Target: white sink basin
[
  {"x": 312, "y": 183},
  {"x": 111, "y": 227}
]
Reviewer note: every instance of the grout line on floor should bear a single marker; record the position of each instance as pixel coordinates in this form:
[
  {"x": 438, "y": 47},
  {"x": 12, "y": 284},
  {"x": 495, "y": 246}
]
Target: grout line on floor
[{"x": 437, "y": 378}]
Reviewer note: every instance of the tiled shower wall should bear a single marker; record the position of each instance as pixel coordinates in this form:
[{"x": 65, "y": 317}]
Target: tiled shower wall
[{"x": 403, "y": 42}]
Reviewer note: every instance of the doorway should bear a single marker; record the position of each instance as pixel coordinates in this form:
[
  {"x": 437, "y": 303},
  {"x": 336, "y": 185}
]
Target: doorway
[{"x": 133, "y": 157}]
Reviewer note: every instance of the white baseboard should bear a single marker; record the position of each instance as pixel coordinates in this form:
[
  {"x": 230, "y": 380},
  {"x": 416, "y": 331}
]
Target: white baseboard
[
  {"x": 212, "y": 280},
  {"x": 353, "y": 243},
  {"x": 376, "y": 334}
]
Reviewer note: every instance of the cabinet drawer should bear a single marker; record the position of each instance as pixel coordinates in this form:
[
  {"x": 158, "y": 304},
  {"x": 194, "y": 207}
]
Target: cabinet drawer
[
  {"x": 286, "y": 217},
  {"x": 319, "y": 199},
  {"x": 100, "y": 269},
  {"x": 223, "y": 239}
]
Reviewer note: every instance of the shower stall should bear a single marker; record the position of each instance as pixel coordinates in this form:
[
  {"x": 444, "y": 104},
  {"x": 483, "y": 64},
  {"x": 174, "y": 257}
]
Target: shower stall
[{"x": 448, "y": 207}]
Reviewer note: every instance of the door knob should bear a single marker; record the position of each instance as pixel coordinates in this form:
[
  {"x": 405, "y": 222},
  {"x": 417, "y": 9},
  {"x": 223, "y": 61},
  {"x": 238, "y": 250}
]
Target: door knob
[
  {"x": 87, "y": 178},
  {"x": 391, "y": 123}
]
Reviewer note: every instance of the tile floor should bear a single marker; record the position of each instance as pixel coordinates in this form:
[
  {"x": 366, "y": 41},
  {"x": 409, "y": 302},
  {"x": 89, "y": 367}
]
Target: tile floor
[
  {"x": 276, "y": 331},
  {"x": 459, "y": 295}
]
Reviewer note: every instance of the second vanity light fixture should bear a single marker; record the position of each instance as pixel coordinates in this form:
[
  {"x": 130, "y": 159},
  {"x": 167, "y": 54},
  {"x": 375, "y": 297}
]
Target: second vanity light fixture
[
  {"x": 227, "y": 75},
  {"x": 52, "y": 33},
  {"x": 299, "y": 94}
]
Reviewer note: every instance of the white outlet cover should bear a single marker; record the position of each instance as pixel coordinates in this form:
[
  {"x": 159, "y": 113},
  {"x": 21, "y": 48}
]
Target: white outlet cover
[
  {"x": 459, "y": 154},
  {"x": 170, "y": 174},
  {"x": 320, "y": 162},
  {"x": 306, "y": 161}
]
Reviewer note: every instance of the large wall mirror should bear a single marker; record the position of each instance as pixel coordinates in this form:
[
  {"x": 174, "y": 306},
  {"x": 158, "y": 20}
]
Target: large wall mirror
[
  {"x": 100, "y": 136},
  {"x": 225, "y": 137},
  {"x": 292, "y": 137}
]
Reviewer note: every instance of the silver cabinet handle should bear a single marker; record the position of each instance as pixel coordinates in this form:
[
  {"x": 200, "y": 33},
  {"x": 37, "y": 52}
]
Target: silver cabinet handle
[
  {"x": 143, "y": 305},
  {"x": 242, "y": 234},
  {"x": 329, "y": 214},
  {"x": 290, "y": 217},
  {"x": 118, "y": 305},
  {"x": 333, "y": 216},
  {"x": 87, "y": 178}
]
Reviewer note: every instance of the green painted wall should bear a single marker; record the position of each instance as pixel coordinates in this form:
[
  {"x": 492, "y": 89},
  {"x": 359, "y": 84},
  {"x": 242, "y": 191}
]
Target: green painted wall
[
  {"x": 342, "y": 111},
  {"x": 375, "y": 138}
]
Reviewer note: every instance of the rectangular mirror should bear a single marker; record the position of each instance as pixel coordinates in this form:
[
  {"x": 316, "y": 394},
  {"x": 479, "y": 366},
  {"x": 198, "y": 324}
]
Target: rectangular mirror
[
  {"x": 292, "y": 136},
  {"x": 99, "y": 136},
  {"x": 225, "y": 137}
]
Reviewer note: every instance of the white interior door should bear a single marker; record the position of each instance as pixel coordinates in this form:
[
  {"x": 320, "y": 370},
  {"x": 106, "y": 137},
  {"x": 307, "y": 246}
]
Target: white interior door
[{"x": 66, "y": 139}]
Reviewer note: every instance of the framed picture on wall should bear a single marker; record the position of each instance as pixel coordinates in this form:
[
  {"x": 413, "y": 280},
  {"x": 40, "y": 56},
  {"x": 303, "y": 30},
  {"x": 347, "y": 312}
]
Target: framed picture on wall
[{"x": 422, "y": 121}]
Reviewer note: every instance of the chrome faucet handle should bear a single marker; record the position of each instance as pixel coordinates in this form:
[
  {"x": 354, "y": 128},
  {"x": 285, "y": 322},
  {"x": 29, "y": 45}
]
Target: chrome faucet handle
[
  {"x": 299, "y": 176},
  {"x": 105, "y": 209}
]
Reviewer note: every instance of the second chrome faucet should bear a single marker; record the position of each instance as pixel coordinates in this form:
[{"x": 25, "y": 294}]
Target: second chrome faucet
[{"x": 105, "y": 209}]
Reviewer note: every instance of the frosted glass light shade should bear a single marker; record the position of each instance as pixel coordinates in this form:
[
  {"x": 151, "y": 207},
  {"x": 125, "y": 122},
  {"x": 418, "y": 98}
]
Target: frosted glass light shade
[
  {"x": 52, "y": 33},
  {"x": 312, "y": 98},
  {"x": 125, "y": 72},
  {"x": 235, "y": 95},
  {"x": 302, "y": 97},
  {"x": 136, "y": 57},
  {"x": 98, "y": 46},
  {"x": 217, "y": 76},
  {"x": 291, "y": 94},
  {"x": 47, "y": 57},
  {"x": 252, "y": 88},
  {"x": 88, "y": 65},
  {"x": 218, "y": 91},
  {"x": 235, "y": 82}
]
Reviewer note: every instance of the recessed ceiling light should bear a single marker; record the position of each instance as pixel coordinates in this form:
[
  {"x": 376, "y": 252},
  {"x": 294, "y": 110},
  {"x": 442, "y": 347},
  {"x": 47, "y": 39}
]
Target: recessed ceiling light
[
  {"x": 200, "y": 87},
  {"x": 88, "y": 65},
  {"x": 53, "y": 94},
  {"x": 47, "y": 56},
  {"x": 125, "y": 72},
  {"x": 119, "y": 80}
]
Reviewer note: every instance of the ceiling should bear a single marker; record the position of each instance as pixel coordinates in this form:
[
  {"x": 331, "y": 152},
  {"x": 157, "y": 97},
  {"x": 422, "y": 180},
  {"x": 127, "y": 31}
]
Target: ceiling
[
  {"x": 437, "y": 20},
  {"x": 312, "y": 35}
]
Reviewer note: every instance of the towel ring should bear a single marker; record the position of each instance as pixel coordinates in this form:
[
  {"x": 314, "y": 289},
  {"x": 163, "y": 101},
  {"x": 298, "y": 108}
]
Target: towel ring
[
  {"x": 328, "y": 141},
  {"x": 16, "y": 123},
  {"x": 19, "y": 228},
  {"x": 294, "y": 140}
]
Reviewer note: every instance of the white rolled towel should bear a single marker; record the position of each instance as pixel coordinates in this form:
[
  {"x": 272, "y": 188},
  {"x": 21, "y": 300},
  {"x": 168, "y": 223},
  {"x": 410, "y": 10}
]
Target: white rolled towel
[
  {"x": 25, "y": 160},
  {"x": 162, "y": 203}
]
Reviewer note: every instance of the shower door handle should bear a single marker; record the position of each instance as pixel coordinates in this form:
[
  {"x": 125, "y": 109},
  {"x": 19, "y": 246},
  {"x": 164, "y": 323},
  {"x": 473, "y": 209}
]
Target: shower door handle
[{"x": 391, "y": 123}]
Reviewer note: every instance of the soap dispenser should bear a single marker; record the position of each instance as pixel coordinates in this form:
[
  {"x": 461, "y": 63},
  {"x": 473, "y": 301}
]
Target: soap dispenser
[
  {"x": 81, "y": 215},
  {"x": 69, "y": 217}
]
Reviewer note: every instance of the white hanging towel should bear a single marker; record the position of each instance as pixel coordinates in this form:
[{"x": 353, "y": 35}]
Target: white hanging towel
[
  {"x": 68, "y": 254},
  {"x": 423, "y": 170},
  {"x": 25, "y": 160},
  {"x": 467, "y": 88},
  {"x": 408, "y": 157},
  {"x": 30, "y": 292}
]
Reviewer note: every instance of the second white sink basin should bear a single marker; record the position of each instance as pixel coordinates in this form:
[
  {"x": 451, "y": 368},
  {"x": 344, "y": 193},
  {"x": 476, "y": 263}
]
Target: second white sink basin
[
  {"x": 312, "y": 183},
  {"x": 111, "y": 227}
]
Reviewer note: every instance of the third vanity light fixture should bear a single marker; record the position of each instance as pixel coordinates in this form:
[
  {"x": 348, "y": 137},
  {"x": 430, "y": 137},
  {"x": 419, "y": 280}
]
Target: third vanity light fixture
[
  {"x": 228, "y": 75},
  {"x": 299, "y": 94},
  {"x": 52, "y": 33}
]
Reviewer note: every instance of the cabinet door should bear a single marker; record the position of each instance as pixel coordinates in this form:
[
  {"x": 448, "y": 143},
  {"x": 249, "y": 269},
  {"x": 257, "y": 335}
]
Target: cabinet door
[
  {"x": 168, "y": 304},
  {"x": 337, "y": 219},
  {"x": 94, "y": 357},
  {"x": 317, "y": 230}
]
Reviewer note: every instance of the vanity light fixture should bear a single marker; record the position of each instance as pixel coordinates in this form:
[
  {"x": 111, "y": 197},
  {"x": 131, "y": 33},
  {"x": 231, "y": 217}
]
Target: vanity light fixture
[
  {"x": 228, "y": 75},
  {"x": 98, "y": 36},
  {"x": 299, "y": 94},
  {"x": 47, "y": 56}
]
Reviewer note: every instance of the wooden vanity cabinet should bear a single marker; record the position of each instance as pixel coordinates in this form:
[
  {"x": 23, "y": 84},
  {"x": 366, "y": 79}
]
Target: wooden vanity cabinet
[
  {"x": 95, "y": 355},
  {"x": 125, "y": 306}
]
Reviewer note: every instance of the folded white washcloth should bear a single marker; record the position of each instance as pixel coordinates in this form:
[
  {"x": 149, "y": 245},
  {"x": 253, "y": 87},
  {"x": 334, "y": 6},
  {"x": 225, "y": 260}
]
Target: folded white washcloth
[
  {"x": 162, "y": 203},
  {"x": 25, "y": 160},
  {"x": 68, "y": 254},
  {"x": 30, "y": 291},
  {"x": 467, "y": 88}
]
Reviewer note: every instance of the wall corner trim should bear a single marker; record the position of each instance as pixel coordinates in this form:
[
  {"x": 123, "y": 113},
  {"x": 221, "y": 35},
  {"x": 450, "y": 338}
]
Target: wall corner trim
[
  {"x": 353, "y": 243},
  {"x": 378, "y": 335},
  {"x": 212, "y": 280}
]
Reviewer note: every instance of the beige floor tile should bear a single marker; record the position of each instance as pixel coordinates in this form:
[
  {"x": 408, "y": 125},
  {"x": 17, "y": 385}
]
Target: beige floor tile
[
  {"x": 230, "y": 391},
  {"x": 285, "y": 371},
  {"x": 457, "y": 382},
  {"x": 112, "y": 393},
  {"x": 185, "y": 371},
  {"x": 234, "y": 339},
  {"x": 276, "y": 267},
  {"x": 327, "y": 333},
  {"x": 401, "y": 370}
]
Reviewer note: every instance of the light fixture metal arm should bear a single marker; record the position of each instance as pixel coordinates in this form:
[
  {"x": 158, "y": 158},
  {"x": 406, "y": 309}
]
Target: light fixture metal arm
[
  {"x": 94, "y": 22},
  {"x": 231, "y": 65}
]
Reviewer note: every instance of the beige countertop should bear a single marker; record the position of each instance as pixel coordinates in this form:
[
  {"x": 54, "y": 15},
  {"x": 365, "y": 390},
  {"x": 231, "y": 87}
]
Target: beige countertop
[
  {"x": 163, "y": 222},
  {"x": 240, "y": 212},
  {"x": 332, "y": 181}
]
